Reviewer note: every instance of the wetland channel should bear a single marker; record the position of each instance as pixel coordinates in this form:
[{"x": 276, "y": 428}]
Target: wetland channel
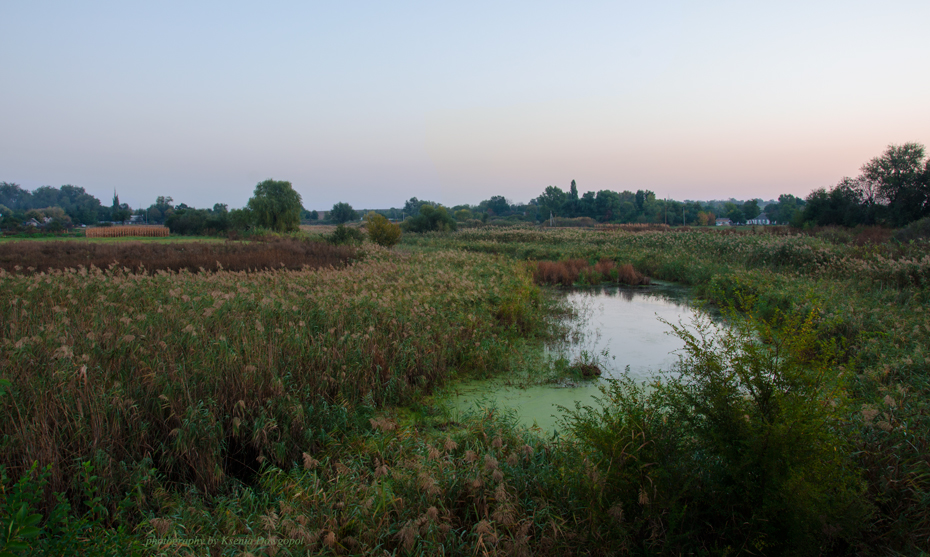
[{"x": 618, "y": 328}]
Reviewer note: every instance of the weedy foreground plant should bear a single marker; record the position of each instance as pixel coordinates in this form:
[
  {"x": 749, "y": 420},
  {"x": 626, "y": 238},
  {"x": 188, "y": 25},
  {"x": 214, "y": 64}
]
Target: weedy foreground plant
[{"x": 740, "y": 452}]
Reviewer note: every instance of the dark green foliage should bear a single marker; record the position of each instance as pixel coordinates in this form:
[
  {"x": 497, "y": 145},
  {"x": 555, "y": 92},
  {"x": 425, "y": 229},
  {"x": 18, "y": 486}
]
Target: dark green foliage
[
  {"x": 431, "y": 219},
  {"x": 742, "y": 450},
  {"x": 412, "y": 206},
  {"x": 843, "y": 205},
  {"x": 346, "y": 236},
  {"x": 342, "y": 213},
  {"x": 197, "y": 222},
  {"x": 276, "y": 206},
  {"x": 63, "y": 530},
  {"x": 785, "y": 210},
  {"x": 751, "y": 209},
  {"x": 901, "y": 177},
  {"x": 551, "y": 201},
  {"x": 893, "y": 189},
  {"x": 497, "y": 206},
  {"x": 81, "y": 207},
  {"x": 917, "y": 230}
]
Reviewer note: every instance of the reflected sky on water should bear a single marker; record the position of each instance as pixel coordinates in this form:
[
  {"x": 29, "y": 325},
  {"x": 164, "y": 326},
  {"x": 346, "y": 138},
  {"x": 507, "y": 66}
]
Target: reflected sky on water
[{"x": 619, "y": 328}]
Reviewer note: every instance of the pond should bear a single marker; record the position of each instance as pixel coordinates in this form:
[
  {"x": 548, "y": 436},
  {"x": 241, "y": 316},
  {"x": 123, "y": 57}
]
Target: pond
[{"x": 621, "y": 329}]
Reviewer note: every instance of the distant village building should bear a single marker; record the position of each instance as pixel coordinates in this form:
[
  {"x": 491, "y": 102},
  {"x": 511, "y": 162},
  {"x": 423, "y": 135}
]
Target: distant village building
[
  {"x": 761, "y": 219},
  {"x": 723, "y": 222}
]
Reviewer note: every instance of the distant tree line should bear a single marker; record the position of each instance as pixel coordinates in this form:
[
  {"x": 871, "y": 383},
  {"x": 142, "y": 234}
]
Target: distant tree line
[
  {"x": 66, "y": 206},
  {"x": 891, "y": 190}
]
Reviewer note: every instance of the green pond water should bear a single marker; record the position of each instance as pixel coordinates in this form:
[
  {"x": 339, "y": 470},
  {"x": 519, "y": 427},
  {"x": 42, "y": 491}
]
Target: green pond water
[{"x": 617, "y": 327}]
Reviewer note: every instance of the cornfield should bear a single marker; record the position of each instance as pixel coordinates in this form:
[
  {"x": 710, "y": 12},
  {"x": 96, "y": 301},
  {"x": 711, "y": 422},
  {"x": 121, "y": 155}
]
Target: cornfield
[{"x": 124, "y": 231}]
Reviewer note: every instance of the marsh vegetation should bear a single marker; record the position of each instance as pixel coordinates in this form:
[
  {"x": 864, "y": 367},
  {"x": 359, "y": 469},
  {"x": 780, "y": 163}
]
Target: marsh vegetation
[{"x": 291, "y": 403}]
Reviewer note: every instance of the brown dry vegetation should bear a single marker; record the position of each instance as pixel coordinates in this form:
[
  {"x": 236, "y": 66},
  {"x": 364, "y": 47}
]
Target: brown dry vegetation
[
  {"x": 288, "y": 253},
  {"x": 635, "y": 227},
  {"x": 124, "y": 231},
  {"x": 570, "y": 271}
]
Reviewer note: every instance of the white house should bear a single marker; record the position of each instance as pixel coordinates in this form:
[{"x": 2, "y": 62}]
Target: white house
[{"x": 761, "y": 219}]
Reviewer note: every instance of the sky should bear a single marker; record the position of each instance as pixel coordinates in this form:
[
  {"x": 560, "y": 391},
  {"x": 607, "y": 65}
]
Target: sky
[{"x": 372, "y": 103}]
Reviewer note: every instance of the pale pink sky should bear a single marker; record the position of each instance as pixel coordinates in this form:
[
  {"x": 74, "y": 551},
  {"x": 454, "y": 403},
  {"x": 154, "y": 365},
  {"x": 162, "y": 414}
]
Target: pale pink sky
[{"x": 373, "y": 103}]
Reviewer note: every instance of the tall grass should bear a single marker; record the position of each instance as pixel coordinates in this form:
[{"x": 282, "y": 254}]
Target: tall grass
[{"x": 203, "y": 377}]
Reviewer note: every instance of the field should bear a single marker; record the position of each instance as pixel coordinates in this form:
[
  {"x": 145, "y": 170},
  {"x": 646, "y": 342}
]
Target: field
[
  {"x": 150, "y": 257},
  {"x": 287, "y": 408},
  {"x": 145, "y": 239}
]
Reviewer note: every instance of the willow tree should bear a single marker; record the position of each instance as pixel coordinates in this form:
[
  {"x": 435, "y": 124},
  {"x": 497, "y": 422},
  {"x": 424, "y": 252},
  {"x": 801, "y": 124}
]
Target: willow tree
[{"x": 276, "y": 205}]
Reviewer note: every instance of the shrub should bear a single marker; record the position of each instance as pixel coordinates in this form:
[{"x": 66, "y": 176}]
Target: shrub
[
  {"x": 917, "y": 230},
  {"x": 381, "y": 231},
  {"x": 741, "y": 450},
  {"x": 344, "y": 235},
  {"x": 431, "y": 219}
]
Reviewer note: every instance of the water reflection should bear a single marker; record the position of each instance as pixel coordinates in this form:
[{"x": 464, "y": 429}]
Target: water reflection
[{"x": 621, "y": 329}]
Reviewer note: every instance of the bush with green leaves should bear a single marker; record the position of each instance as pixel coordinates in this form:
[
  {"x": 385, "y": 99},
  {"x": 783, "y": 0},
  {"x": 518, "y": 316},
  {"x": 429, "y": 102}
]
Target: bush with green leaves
[
  {"x": 431, "y": 219},
  {"x": 345, "y": 235},
  {"x": 381, "y": 231},
  {"x": 62, "y": 531},
  {"x": 741, "y": 451}
]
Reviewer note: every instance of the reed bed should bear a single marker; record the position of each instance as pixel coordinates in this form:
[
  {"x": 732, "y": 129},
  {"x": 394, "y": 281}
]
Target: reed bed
[
  {"x": 147, "y": 230},
  {"x": 571, "y": 271},
  {"x": 200, "y": 378},
  {"x": 482, "y": 488},
  {"x": 144, "y": 257}
]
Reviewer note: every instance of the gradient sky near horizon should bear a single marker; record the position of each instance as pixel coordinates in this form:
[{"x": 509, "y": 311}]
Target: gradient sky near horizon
[{"x": 375, "y": 102}]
